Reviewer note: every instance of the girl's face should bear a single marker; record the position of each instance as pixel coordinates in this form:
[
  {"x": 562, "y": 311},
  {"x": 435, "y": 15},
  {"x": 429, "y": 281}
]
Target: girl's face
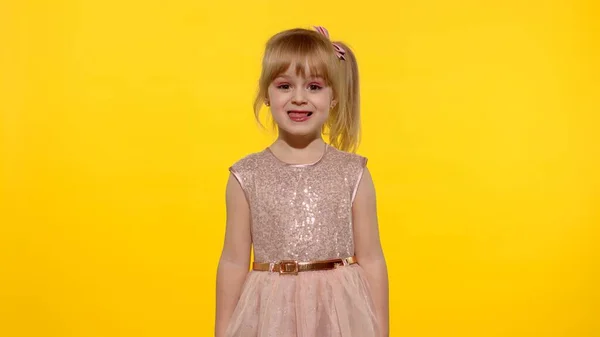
[{"x": 300, "y": 106}]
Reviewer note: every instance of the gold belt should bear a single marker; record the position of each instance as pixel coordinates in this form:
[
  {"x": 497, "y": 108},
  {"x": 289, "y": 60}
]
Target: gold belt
[{"x": 292, "y": 267}]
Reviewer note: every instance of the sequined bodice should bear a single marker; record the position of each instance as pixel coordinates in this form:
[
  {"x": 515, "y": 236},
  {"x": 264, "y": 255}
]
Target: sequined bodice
[{"x": 300, "y": 212}]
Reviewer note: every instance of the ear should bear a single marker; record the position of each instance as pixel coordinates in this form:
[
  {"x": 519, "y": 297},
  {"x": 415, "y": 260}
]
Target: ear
[{"x": 333, "y": 103}]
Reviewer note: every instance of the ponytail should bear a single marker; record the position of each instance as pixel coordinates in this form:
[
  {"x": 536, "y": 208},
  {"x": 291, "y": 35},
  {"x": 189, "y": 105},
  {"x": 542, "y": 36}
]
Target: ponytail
[{"x": 344, "y": 122}]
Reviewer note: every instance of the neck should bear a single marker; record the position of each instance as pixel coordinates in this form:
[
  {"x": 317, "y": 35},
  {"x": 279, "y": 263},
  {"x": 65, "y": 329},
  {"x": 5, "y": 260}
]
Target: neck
[{"x": 299, "y": 142}]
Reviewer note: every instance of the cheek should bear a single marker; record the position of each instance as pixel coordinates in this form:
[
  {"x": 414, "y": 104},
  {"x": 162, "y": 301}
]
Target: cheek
[
  {"x": 325, "y": 99},
  {"x": 324, "y": 102},
  {"x": 276, "y": 97},
  {"x": 278, "y": 104}
]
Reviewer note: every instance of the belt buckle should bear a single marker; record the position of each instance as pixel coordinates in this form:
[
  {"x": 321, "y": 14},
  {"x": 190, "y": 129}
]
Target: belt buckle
[{"x": 289, "y": 267}]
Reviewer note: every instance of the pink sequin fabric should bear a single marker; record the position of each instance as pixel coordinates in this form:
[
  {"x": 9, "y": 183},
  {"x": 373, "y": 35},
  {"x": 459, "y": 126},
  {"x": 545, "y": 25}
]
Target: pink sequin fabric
[{"x": 303, "y": 213}]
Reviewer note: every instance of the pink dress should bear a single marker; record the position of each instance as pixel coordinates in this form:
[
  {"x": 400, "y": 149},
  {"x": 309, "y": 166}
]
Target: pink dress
[{"x": 303, "y": 213}]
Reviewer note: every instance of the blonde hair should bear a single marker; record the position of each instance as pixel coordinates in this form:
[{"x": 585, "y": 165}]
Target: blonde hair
[{"x": 298, "y": 46}]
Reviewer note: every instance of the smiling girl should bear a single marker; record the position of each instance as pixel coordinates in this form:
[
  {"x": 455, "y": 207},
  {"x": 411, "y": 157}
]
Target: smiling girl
[{"x": 305, "y": 206}]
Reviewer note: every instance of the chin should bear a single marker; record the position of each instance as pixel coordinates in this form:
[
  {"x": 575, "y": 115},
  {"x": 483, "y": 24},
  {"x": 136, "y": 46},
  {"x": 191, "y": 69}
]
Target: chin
[
  {"x": 300, "y": 131},
  {"x": 313, "y": 125}
]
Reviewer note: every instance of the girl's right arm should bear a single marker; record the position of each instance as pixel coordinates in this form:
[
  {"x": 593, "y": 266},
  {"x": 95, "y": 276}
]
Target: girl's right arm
[{"x": 235, "y": 257}]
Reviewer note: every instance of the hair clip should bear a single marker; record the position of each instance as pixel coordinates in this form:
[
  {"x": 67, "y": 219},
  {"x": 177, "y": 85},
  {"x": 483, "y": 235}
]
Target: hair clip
[{"x": 339, "y": 51}]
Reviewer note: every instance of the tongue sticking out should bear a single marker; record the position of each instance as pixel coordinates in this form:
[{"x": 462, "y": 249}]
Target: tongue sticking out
[{"x": 298, "y": 114}]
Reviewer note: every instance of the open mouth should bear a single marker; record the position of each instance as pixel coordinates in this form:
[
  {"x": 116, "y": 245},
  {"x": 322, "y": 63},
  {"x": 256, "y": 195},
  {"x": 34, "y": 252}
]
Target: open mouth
[{"x": 299, "y": 116}]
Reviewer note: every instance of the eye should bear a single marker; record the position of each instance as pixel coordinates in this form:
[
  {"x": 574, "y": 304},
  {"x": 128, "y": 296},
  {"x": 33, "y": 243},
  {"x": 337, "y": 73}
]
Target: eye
[
  {"x": 315, "y": 87},
  {"x": 283, "y": 86}
]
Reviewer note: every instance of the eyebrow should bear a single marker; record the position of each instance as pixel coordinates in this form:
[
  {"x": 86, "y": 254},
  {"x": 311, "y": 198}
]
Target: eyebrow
[{"x": 307, "y": 78}]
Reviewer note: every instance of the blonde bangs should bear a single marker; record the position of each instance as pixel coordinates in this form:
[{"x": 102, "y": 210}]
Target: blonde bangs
[{"x": 303, "y": 56}]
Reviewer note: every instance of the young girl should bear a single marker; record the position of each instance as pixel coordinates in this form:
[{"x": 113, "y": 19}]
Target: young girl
[{"x": 306, "y": 207}]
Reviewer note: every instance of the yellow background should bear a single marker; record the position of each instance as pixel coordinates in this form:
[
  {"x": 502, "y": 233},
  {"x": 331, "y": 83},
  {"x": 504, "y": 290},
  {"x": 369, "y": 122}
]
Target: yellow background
[{"x": 119, "y": 120}]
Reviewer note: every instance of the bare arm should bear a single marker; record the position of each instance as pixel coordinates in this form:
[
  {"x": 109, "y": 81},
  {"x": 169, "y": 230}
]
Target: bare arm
[
  {"x": 235, "y": 258},
  {"x": 368, "y": 248}
]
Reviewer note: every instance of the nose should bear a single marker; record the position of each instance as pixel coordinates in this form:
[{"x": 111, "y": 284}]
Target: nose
[{"x": 299, "y": 97}]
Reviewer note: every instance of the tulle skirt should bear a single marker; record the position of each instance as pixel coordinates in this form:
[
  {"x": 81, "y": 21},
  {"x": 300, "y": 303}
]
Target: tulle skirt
[{"x": 329, "y": 303}]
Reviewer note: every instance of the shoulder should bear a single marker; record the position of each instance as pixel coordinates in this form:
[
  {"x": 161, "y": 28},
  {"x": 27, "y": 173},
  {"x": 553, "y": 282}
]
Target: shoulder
[
  {"x": 247, "y": 162},
  {"x": 244, "y": 171},
  {"x": 348, "y": 159},
  {"x": 351, "y": 166}
]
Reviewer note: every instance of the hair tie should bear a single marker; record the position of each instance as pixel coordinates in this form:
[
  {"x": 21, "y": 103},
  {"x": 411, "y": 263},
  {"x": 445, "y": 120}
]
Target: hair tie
[{"x": 339, "y": 51}]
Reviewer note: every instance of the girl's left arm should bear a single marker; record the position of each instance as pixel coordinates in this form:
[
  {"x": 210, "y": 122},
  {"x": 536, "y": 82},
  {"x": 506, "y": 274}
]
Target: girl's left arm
[{"x": 367, "y": 247}]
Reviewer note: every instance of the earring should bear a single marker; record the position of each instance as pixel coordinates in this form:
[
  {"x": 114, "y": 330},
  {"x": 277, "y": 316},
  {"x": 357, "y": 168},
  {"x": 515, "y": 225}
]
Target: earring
[{"x": 267, "y": 103}]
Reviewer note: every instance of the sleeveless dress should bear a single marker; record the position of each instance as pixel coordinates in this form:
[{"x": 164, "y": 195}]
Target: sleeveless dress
[{"x": 302, "y": 213}]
